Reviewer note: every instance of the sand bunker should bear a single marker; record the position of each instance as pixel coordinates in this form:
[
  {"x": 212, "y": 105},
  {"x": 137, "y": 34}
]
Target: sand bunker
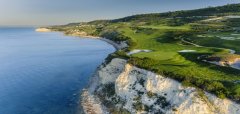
[
  {"x": 228, "y": 38},
  {"x": 186, "y": 51},
  {"x": 135, "y": 51}
]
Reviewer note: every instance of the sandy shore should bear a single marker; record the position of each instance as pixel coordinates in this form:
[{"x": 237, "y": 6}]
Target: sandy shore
[
  {"x": 115, "y": 45},
  {"x": 42, "y": 30}
]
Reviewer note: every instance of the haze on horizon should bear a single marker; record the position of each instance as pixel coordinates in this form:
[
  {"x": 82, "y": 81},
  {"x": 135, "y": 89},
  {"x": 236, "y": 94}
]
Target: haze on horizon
[{"x": 54, "y": 12}]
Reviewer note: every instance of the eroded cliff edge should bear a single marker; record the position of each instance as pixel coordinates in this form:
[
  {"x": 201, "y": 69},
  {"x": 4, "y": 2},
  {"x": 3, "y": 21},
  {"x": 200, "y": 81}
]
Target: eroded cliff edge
[{"x": 120, "y": 87}]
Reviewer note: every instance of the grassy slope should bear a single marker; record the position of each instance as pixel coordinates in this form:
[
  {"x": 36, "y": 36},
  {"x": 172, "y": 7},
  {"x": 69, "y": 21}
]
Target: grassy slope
[
  {"x": 150, "y": 32},
  {"x": 172, "y": 61}
]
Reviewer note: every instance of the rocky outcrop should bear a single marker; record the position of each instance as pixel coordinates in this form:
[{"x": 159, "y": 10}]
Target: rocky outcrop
[
  {"x": 119, "y": 86},
  {"x": 90, "y": 104},
  {"x": 106, "y": 74}
]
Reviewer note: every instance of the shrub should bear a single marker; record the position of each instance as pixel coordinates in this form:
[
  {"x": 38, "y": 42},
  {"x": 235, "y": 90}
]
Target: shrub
[
  {"x": 121, "y": 53},
  {"x": 114, "y": 36},
  {"x": 108, "y": 89},
  {"x": 138, "y": 106},
  {"x": 141, "y": 82},
  {"x": 120, "y": 111},
  {"x": 187, "y": 83},
  {"x": 162, "y": 101},
  {"x": 131, "y": 44},
  {"x": 151, "y": 94}
]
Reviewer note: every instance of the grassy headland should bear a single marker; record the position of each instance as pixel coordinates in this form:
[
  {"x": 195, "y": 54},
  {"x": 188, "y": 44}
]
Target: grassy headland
[{"x": 216, "y": 29}]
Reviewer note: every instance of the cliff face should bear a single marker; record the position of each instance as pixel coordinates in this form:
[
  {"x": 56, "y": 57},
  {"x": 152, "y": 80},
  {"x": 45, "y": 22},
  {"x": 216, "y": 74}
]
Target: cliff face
[{"x": 119, "y": 86}]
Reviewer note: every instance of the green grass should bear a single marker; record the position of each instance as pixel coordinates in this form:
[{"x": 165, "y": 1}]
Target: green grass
[
  {"x": 213, "y": 40},
  {"x": 153, "y": 32},
  {"x": 165, "y": 27},
  {"x": 169, "y": 60}
]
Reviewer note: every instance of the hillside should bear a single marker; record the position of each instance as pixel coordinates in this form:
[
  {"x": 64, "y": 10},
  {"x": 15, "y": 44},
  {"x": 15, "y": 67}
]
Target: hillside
[
  {"x": 176, "y": 43},
  {"x": 211, "y": 11}
]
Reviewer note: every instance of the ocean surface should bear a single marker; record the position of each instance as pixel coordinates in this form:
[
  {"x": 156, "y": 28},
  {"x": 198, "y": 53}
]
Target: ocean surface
[{"x": 43, "y": 73}]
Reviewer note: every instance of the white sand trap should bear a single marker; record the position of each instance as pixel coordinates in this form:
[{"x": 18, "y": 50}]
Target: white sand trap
[
  {"x": 138, "y": 51},
  {"x": 235, "y": 34},
  {"x": 186, "y": 51},
  {"x": 213, "y": 19},
  {"x": 233, "y": 16},
  {"x": 201, "y": 36},
  {"x": 232, "y": 51},
  {"x": 228, "y": 38}
]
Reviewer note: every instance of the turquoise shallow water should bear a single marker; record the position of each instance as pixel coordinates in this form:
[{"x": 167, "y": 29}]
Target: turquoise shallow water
[{"x": 43, "y": 73}]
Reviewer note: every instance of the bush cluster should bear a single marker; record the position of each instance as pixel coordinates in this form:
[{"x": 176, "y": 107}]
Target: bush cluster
[{"x": 114, "y": 36}]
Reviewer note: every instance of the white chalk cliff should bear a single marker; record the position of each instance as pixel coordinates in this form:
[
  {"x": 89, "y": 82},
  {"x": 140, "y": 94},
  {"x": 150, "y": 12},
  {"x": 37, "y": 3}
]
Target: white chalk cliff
[{"x": 142, "y": 91}]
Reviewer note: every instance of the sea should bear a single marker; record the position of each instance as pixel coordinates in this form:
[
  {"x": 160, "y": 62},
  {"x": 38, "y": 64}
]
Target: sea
[{"x": 44, "y": 72}]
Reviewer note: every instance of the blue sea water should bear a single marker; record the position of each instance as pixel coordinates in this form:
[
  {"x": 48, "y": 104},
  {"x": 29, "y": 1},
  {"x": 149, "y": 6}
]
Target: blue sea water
[{"x": 43, "y": 73}]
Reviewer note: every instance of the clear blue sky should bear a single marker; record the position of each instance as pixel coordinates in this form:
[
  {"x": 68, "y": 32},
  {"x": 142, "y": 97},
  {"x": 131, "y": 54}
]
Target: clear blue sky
[{"x": 51, "y": 12}]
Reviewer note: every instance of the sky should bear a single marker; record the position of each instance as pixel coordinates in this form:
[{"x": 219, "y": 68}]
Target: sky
[{"x": 56, "y": 12}]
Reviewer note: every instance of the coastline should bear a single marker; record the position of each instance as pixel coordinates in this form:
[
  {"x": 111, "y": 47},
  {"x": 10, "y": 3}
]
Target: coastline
[
  {"x": 88, "y": 103},
  {"x": 115, "y": 45}
]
